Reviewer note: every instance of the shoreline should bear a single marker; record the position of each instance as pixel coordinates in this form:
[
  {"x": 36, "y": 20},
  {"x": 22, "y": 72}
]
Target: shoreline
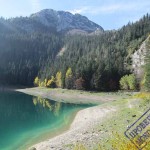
[
  {"x": 81, "y": 129},
  {"x": 71, "y": 96},
  {"x": 49, "y": 134},
  {"x": 93, "y": 126},
  {"x": 83, "y": 121}
]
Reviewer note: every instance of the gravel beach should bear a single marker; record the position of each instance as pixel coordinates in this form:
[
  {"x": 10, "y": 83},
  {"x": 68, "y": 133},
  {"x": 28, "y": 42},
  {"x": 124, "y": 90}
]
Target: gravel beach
[{"x": 81, "y": 130}]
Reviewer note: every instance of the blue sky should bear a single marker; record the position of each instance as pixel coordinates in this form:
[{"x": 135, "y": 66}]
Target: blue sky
[{"x": 110, "y": 14}]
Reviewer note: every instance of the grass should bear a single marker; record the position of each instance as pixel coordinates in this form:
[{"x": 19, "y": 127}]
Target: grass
[
  {"x": 143, "y": 95},
  {"x": 77, "y": 96},
  {"x": 112, "y": 129},
  {"x": 91, "y": 93},
  {"x": 79, "y": 146},
  {"x": 118, "y": 143}
]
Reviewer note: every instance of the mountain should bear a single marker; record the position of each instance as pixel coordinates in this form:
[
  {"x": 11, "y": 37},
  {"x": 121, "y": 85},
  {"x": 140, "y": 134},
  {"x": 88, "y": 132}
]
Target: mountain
[
  {"x": 39, "y": 46},
  {"x": 98, "y": 61},
  {"x": 65, "y": 21},
  {"x": 49, "y": 20}
]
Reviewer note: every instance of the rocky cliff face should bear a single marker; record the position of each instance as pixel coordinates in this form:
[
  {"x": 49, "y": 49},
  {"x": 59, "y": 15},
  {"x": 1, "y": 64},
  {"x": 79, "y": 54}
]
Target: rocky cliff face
[{"x": 138, "y": 61}]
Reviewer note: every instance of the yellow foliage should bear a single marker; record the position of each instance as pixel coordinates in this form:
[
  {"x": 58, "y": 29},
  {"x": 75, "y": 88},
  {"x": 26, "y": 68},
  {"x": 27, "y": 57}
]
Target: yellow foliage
[
  {"x": 36, "y": 81},
  {"x": 35, "y": 101},
  {"x": 69, "y": 73},
  {"x": 143, "y": 95},
  {"x": 48, "y": 83},
  {"x": 119, "y": 143},
  {"x": 51, "y": 82},
  {"x": 59, "y": 79},
  {"x": 43, "y": 102},
  {"x": 45, "y": 82},
  {"x": 57, "y": 108}
]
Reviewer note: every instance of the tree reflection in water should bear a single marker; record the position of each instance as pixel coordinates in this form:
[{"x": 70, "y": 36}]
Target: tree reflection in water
[{"x": 54, "y": 107}]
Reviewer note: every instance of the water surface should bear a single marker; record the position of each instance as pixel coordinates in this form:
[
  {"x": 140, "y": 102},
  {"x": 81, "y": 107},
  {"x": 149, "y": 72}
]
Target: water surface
[{"x": 26, "y": 119}]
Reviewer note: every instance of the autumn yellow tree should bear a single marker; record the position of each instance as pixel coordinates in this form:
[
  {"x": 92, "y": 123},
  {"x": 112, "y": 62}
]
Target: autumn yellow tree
[
  {"x": 51, "y": 82},
  {"x": 59, "y": 79},
  {"x": 41, "y": 84},
  {"x": 69, "y": 73},
  {"x": 45, "y": 82},
  {"x": 36, "y": 81},
  {"x": 69, "y": 82}
]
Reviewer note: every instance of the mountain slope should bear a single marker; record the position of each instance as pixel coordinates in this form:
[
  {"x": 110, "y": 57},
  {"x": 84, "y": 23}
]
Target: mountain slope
[
  {"x": 99, "y": 61},
  {"x": 65, "y": 21},
  {"x": 31, "y": 46},
  {"x": 52, "y": 21}
]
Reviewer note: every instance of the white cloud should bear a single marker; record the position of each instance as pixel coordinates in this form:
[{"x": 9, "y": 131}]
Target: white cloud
[
  {"x": 95, "y": 9},
  {"x": 112, "y": 8},
  {"x": 79, "y": 11}
]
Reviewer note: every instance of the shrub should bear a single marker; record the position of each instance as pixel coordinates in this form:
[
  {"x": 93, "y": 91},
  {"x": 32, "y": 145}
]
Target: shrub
[
  {"x": 124, "y": 83},
  {"x": 128, "y": 82},
  {"x": 131, "y": 82}
]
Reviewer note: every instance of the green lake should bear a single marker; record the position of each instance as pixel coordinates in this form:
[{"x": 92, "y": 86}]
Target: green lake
[{"x": 26, "y": 120}]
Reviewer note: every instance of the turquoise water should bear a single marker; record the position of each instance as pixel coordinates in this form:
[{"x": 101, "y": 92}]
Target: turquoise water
[{"x": 26, "y": 119}]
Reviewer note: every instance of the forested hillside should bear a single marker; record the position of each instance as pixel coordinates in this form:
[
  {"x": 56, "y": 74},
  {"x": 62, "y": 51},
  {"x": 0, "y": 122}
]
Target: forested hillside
[
  {"x": 91, "y": 61},
  {"x": 97, "y": 62},
  {"x": 22, "y": 56}
]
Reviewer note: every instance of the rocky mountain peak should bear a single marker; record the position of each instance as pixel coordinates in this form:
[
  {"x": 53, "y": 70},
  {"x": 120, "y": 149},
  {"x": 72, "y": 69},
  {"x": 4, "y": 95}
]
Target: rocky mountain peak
[{"x": 65, "y": 21}]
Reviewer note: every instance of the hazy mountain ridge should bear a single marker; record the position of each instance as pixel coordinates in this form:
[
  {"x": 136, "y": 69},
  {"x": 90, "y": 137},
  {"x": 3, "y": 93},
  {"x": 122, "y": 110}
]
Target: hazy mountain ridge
[
  {"x": 49, "y": 20},
  {"x": 65, "y": 21}
]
